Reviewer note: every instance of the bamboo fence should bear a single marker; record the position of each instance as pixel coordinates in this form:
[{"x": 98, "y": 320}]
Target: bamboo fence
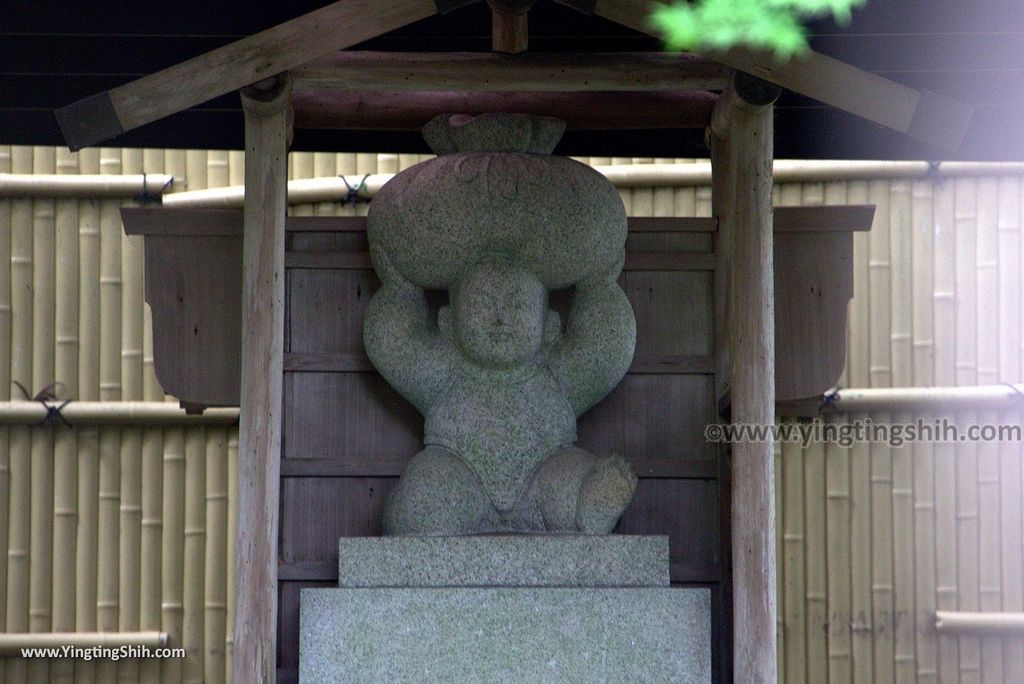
[{"x": 131, "y": 528}]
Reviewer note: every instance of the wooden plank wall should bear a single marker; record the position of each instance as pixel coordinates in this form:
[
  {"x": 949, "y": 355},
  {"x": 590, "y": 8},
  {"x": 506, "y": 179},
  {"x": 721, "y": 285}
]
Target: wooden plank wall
[
  {"x": 868, "y": 535},
  {"x": 348, "y": 434}
]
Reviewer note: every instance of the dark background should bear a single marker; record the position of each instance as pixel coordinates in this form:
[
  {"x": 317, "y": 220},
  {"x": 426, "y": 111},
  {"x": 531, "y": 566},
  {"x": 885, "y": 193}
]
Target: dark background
[{"x": 54, "y": 53}]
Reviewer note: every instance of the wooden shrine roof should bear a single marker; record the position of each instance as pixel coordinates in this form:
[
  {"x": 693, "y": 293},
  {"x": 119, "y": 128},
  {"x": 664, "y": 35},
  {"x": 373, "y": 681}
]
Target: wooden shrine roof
[{"x": 967, "y": 52}]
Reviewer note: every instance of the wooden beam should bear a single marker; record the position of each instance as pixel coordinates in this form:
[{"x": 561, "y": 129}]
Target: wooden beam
[
  {"x": 262, "y": 55},
  {"x": 746, "y": 221},
  {"x": 410, "y": 111},
  {"x": 485, "y": 71},
  {"x": 266, "y": 173},
  {"x": 509, "y": 32},
  {"x": 922, "y": 115}
]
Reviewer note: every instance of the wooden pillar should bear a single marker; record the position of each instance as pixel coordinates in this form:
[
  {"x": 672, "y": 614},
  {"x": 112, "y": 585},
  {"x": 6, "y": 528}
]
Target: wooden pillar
[
  {"x": 741, "y": 135},
  {"x": 267, "y": 128}
]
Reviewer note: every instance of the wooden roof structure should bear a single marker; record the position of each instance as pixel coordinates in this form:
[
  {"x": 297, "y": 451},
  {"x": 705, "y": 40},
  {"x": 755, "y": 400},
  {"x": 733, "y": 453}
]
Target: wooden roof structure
[
  {"x": 307, "y": 44},
  {"x": 298, "y": 73}
]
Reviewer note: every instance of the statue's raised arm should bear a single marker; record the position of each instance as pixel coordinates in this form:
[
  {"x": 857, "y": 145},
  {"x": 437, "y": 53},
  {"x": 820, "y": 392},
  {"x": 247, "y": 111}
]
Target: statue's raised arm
[
  {"x": 597, "y": 347},
  {"x": 402, "y": 340}
]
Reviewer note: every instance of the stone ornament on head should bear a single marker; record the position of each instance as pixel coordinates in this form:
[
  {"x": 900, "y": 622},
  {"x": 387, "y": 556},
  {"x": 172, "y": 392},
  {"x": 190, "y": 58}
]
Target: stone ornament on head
[
  {"x": 496, "y": 189},
  {"x": 498, "y": 222}
]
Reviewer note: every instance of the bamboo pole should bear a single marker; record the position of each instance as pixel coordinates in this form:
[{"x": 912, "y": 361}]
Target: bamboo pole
[
  {"x": 875, "y": 632},
  {"x": 328, "y": 164},
  {"x": 967, "y": 454},
  {"x": 236, "y": 167},
  {"x": 108, "y": 561},
  {"x": 300, "y": 167},
  {"x": 794, "y": 550},
  {"x": 925, "y": 573},
  {"x": 678, "y": 175},
  {"x": 837, "y": 474},
  {"x": 150, "y": 544},
  {"x": 815, "y": 560},
  {"x": 1011, "y": 491},
  {"x": 858, "y": 364},
  {"x": 922, "y": 231},
  {"x": 173, "y": 547},
  {"x": 181, "y": 165},
  {"x": 87, "y": 538},
  {"x": 65, "y": 502},
  {"x": 663, "y": 200},
  {"x": 1012, "y": 540},
  {"x": 946, "y": 583},
  {"x": 966, "y": 281},
  {"x": 967, "y": 547},
  {"x": 22, "y": 340},
  {"x": 861, "y": 626},
  {"x": 43, "y": 347},
  {"x": 215, "y": 581},
  {"x": 262, "y": 376},
  {"x": 902, "y": 619},
  {"x": 388, "y": 163},
  {"x": 12, "y": 644},
  {"x": 217, "y": 169},
  {"x": 130, "y": 531},
  {"x": 305, "y": 189},
  {"x": 987, "y": 331},
  {"x": 753, "y": 384},
  {"x": 990, "y": 563},
  {"x": 82, "y": 186},
  {"x": 947, "y": 595},
  {"x": 780, "y": 561},
  {"x": 987, "y": 280},
  {"x": 6, "y": 235},
  {"x": 965, "y": 622},
  {"x": 231, "y": 555},
  {"x": 643, "y": 198},
  {"x": 114, "y": 413},
  {"x": 626, "y": 194},
  {"x": 882, "y": 496},
  {"x": 366, "y": 164},
  {"x": 193, "y": 611}
]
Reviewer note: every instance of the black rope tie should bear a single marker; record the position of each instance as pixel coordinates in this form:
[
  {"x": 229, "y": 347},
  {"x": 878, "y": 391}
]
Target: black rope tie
[
  {"x": 145, "y": 197},
  {"x": 44, "y": 396},
  {"x": 352, "y": 193},
  {"x": 829, "y": 399}
]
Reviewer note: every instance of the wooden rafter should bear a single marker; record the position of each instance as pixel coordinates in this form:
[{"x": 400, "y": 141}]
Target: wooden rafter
[
  {"x": 473, "y": 71},
  {"x": 922, "y": 115},
  {"x": 234, "y": 66}
]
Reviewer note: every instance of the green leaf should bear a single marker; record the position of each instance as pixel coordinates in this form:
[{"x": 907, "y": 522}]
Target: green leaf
[{"x": 775, "y": 25}]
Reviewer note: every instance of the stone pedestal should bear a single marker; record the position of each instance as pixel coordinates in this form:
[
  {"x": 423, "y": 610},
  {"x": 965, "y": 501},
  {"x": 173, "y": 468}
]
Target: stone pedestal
[{"x": 505, "y": 609}]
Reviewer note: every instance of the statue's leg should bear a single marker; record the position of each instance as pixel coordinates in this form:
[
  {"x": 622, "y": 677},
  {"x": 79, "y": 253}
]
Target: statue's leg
[
  {"x": 577, "y": 492},
  {"x": 437, "y": 494}
]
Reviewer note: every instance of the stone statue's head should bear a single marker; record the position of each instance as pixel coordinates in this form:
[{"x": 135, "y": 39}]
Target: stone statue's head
[{"x": 498, "y": 315}]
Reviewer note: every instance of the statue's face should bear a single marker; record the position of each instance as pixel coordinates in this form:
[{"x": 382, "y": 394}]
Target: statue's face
[{"x": 499, "y": 314}]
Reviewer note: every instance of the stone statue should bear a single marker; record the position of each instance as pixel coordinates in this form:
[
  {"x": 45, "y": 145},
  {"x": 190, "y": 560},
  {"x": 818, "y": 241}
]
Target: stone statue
[{"x": 498, "y": 222}]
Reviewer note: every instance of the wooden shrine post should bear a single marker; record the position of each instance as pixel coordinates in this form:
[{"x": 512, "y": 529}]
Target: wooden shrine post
[
  {"x": 267, "y": 128},
  {"x": 741, "y": 136}
]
